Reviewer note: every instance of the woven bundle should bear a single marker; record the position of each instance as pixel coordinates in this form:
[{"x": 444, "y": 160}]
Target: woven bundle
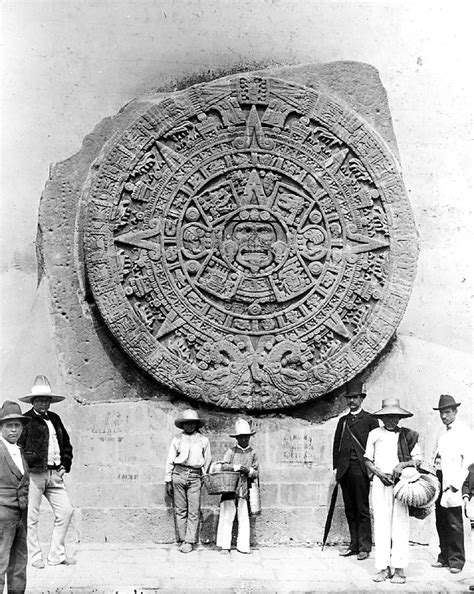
[{"x": 415, "y": 489}]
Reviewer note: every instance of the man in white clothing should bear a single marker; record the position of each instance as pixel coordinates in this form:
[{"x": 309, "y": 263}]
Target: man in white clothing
[
  {"x": 453, "y": 454},
  {"x": 389, "y": 449}
]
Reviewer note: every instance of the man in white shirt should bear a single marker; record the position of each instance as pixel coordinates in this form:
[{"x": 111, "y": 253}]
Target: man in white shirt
[
  {"x": 389, "y": 449},
  {"x": 14, "y": 482},
  {"x": 453, "y": 454},
  {"x": 188, "y": 457}
]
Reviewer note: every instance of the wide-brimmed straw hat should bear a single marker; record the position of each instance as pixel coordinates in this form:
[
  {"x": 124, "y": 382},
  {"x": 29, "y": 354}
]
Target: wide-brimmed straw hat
[
  {"x": 415, "y": 489},
  {"x": 41, "y": 387},
  {"x": 10, "y": 411},
  {"x": 189, "y": 415},
  {"x": 242, "y": 428},
  {"x": 447, "y": 401},
  {"x": 391, "y": 406},
  {"x": 354, "y": 388}
]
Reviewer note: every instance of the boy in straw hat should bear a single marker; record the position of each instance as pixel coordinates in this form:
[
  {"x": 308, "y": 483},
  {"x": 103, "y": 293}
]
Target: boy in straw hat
[
  {"x": 14, "y": 481},
  {"x": 453, "y": 454},
  {"x": 389, "y": 450},
  {"x": 189, "y": 457},
  {"x": 48, "y": 452},
  {"x": 242, "y": 459}
]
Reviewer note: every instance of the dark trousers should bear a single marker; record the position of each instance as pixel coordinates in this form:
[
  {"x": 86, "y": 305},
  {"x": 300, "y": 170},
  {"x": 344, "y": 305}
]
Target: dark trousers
[
  {"x": 355, "y": 487},
  {"x": 13, "y": 554},
  {"x": 449, "y": 524},
  {"x": 187, "y": 502}
]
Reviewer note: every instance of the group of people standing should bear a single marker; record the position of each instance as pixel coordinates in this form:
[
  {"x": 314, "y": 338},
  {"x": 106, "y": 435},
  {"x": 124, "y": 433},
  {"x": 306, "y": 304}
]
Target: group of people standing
[
  {"x": 189, "y": 457},
  {"x": 372, "y": 458},
  {"x": 371, "y": 454},
  {"x": 35, "y": 453}
]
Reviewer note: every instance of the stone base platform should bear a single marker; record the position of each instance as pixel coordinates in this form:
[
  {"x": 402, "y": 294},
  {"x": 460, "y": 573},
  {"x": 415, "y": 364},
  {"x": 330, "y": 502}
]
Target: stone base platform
[{"x": 153, "y": 569}]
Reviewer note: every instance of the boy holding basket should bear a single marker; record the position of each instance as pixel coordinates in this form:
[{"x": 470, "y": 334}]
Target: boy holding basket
[{"x": 242, "y": 459}]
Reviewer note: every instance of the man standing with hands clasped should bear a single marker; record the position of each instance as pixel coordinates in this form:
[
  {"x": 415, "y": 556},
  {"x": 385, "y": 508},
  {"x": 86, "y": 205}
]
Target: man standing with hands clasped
[
  {"x": 351, "y": 472},
  {"x": 453, "y": 455}
]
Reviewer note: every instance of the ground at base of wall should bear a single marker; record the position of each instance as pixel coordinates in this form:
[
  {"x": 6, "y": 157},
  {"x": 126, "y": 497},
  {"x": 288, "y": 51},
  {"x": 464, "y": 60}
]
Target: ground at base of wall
[{"x": 150, "y": 569}]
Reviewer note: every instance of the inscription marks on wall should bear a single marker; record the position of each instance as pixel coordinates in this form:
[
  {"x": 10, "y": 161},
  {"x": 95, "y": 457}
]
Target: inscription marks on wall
[{"x": 249, "y": 243}]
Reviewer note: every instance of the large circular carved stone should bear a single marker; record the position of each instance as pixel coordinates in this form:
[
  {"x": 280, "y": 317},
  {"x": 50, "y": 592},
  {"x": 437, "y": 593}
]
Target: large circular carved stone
[{"x": 249, "y": 243}]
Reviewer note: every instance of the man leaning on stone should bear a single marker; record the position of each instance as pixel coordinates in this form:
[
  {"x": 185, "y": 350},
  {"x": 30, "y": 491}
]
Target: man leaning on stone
[
  {"x": 351, "y": 472},
  {"x": 48, "y": 452}
]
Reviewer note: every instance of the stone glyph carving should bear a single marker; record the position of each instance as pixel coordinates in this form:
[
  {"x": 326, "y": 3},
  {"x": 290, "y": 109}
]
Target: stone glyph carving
[{"x": 249, "y": 242}]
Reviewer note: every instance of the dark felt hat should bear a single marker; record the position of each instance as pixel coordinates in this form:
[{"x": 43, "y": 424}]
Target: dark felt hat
[
  {"x": 354, "y": 388},
  {"x": 447, "y": 401},
  {"x": 10, "y": 411}
]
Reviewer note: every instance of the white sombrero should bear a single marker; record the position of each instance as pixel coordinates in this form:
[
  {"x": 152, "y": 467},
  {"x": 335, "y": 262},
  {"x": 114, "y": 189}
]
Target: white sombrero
[{"x": 41, "y": 387}]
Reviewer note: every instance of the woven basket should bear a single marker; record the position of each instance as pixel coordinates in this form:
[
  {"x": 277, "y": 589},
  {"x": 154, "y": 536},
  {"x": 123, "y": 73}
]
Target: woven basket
[{"x": 221, "y": 482}]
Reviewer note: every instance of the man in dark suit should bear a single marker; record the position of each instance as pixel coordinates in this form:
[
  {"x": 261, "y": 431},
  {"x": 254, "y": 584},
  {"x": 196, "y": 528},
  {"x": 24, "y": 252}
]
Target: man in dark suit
[
  {"x": 351, "y": 472},
  {"x": 14, "y": 481}
]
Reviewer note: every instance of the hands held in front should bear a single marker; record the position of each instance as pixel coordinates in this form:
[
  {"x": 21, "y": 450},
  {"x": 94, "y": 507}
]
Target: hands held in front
[
  {"x": 244, "y": 469},
  {"x": 387, "y": 479}
]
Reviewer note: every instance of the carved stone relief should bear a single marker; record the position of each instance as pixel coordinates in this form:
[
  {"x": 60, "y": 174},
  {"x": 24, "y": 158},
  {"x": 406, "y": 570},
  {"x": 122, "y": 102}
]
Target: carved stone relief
[{"x": 249, "y": 242}]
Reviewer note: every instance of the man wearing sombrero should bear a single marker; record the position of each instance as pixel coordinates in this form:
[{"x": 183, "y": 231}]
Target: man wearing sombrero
[
  {"x": 389, "y": 450},
  {"x": 189, "y": 456},
  {"x": 48, "y": 452},
  {"x": 242, "y": 459},
  {"x": 453, "y": 454},
  {"x": 14, "y": 481}
]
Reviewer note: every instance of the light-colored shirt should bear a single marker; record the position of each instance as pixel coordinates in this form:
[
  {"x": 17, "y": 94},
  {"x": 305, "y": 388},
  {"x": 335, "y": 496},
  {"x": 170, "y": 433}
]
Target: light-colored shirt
[
  {"x": 237, "y": 457},
  {"x": 15, "y": 453},
  {"x": 454, "y": 452},
  {"x": 382, "y": 449},
  {"x": 189, "y": 450},
  {"x": 54, "y": 454}
]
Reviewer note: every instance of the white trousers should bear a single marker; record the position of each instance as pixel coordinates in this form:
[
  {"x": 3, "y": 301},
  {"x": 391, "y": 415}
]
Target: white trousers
[
  {"x": 391, "y": 527},
  {"x": 51, "y": 485},
  {"x": 226, "y": 519}
]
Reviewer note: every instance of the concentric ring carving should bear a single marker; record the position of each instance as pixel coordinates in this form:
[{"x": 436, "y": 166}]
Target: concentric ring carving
[{"x": 249, "y": 242}]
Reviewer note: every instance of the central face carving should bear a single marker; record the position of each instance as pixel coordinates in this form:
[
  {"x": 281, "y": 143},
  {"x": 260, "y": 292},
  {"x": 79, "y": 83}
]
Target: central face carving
[
  {"x": 252, "y": 240},
  {"x": 254, "y": 243}
]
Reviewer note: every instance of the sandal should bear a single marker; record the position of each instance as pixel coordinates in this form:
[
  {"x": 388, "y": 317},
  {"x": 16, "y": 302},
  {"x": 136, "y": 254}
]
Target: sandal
[
  {"x": 381, "y": 575},
  {"x": 398, "y": 578}
]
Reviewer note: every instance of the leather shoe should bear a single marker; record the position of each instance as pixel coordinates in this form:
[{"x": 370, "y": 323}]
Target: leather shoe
[
  {"x": 438, "y": 564},
  {"x": 347, "y": 553},
  {"x": 455, "y": 570},
  {"x": 362, "y": 555}
]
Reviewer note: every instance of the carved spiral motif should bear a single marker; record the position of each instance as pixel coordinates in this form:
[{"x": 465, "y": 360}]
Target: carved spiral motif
[{"x": 249, "y": 243}]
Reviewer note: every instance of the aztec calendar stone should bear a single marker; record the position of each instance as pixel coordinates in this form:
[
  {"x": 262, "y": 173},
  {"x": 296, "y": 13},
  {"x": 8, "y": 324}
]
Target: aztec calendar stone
[{"x": 249, "y": 242}]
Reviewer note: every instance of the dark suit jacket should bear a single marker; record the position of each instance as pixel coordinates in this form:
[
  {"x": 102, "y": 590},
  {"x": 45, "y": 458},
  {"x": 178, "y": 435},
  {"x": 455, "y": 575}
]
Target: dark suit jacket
[
  {"x": 13, "y": 486},
  {"x": 35, "y": 440},
  {"x": 468, "y": 485},
  {"x": 343, "y": 442}
]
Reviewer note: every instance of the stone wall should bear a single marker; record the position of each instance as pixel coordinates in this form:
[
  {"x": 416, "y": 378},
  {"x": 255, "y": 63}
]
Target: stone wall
[{"x": 121, "y": 421}]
